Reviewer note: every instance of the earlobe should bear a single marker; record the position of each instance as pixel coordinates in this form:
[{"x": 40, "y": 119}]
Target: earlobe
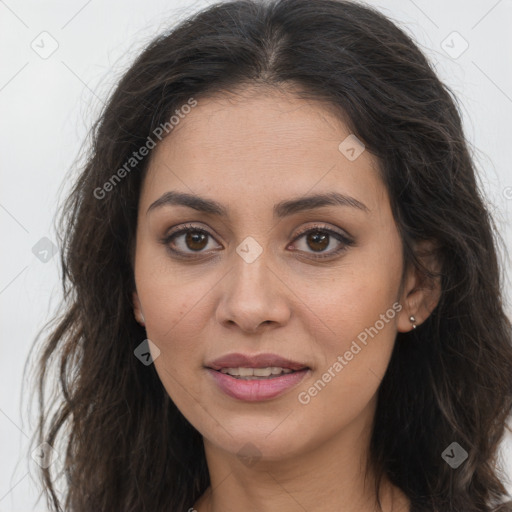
[
  {"x": 421, "y": 292},
  {"x": 418, "y": 306},
  {"x": 410, "y": 316},
  {"x": 137, "y": 309}
]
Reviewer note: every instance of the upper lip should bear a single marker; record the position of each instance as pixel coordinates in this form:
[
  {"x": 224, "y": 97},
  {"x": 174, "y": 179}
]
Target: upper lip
[{"x": 254, "y": 361}]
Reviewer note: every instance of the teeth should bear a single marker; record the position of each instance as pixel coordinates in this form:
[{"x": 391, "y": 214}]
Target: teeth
[
  {"x": 255, "y": 372},
  {"x": 262, "y": 372}
]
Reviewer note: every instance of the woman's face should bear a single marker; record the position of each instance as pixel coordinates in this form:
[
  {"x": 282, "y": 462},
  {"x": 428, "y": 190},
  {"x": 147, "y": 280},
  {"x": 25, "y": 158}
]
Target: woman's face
[{"x": 259, "y": 279}]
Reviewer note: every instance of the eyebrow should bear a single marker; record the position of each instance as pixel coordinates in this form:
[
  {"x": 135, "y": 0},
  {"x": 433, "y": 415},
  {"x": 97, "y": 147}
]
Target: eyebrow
[{"x": 282, "y": 209}]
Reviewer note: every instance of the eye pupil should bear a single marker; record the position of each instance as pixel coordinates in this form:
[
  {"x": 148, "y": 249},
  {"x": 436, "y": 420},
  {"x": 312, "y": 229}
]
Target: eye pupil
[
  {"x": 315, "y": 236},
  {"x": 192, "y": 238},
  {"x": 197, "y": 239}
]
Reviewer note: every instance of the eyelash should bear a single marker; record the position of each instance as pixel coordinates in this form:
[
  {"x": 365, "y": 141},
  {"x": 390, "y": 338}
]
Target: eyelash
[{"x": 347, "y": 242}]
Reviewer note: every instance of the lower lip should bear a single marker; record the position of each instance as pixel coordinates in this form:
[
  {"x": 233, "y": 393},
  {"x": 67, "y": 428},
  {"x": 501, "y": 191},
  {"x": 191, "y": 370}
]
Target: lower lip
[{"x": 257, "y": 389}]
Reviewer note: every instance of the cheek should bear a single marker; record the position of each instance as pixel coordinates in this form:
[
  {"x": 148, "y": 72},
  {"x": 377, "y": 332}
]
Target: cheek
[
  {"x": 353, "y": 356},
  {"x": 174, "y": 297},
  {"x": 174, "y": 310},
  {"x": 352, "y": 320},
  {"x": 360, "y": 295},
  {"x": 354, "y": 335},
  {"x": 174, "y": 323}
]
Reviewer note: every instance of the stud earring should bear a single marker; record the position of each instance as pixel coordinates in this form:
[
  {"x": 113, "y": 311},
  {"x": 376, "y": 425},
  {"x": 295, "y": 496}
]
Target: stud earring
[{"x": 412, "y": 320}]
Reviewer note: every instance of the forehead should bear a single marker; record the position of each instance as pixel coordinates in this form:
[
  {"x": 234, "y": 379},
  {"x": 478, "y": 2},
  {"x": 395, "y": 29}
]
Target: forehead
[{"x": 255, "y": 145}]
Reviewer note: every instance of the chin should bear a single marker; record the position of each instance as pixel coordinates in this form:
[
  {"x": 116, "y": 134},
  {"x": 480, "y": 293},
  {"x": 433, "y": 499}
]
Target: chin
[{"x": 258, "y": 440}]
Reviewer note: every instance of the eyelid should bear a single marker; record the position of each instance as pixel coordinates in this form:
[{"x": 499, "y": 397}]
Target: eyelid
[
  {"x": 342, "y": 236},
  {"x": 324, "y": 227},
  {"x": 321, "y": 226},
  {"x": 182, "y": 229}
]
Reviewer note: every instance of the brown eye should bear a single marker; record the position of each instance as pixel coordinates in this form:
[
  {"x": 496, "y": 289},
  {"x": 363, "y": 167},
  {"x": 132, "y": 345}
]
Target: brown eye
[
  {"x": 188, "y": 240},
  {"x": 195, "y": 240},
  {"x": 191, "y": 239},
  {"x": 317, "y": 240}
]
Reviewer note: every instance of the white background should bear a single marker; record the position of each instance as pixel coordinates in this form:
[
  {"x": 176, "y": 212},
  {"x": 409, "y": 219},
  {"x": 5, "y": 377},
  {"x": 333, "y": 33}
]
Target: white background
[{"x": 47, "y": 106}]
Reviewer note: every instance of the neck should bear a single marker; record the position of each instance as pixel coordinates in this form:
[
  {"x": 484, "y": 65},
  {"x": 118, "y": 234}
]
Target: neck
[{"x": 332, "y": 476}]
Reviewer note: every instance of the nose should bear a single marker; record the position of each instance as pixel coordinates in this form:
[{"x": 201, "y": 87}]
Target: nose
[{"x": 253, "y": 296}]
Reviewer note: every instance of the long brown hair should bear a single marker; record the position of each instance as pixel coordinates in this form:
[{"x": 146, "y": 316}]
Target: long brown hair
[{"x": 124, "y": 444}]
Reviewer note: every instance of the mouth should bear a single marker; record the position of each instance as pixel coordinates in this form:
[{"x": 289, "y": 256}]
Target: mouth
[
  {"x": 258, "y": 365},
  {"x": 258, "y": 377},
  {"x": 247, "y": 373}
]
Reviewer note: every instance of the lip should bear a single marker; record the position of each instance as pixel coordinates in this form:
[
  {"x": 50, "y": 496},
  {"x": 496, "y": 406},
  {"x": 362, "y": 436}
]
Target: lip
[
  {"x": 254, "y": 390},
  {"x": 236, "y": 360},
  {"x": 257, "y": 390}
]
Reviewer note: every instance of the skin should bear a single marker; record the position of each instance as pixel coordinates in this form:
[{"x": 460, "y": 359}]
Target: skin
[{"x": 249, "y": 152}]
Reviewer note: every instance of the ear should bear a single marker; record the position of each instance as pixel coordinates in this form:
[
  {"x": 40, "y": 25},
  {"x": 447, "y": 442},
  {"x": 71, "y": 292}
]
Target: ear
[
  {"x": 421, "y": 292},
  {"x": 137, "y": 309}
]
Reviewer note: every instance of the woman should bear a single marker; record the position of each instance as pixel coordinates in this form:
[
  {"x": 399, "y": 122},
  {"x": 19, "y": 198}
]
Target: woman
[{"x": 281, "y": 282}]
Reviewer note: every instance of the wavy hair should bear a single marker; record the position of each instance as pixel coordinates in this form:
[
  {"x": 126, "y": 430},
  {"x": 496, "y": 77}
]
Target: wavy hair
[{"x": 124, "y": 445}]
